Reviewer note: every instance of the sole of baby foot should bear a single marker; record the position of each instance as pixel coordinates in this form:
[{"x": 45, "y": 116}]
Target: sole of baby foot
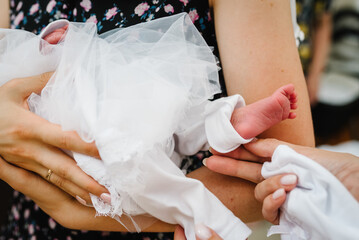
[{"x": 253, "y": 119}]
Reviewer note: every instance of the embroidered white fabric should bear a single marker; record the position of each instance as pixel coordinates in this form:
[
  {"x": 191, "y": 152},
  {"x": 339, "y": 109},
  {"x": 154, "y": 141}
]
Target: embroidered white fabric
[
  {"x": 140, "y": 93},
  {"x": 320, "y": 207}
]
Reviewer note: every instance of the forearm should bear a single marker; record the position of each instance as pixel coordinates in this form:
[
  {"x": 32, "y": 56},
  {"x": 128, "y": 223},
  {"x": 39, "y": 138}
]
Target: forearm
[
  {"x": 258, "y": 54},
  {"x": 4, "y": 14},
  {"x": 321, "y": 45},
  {"x": 100, "y": 223},
  {"x": 235, "y": 193}
]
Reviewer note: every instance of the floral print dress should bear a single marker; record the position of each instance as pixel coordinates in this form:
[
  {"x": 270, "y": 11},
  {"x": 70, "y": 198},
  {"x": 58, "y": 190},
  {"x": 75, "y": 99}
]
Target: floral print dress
[{"x": 26, "y": 219}]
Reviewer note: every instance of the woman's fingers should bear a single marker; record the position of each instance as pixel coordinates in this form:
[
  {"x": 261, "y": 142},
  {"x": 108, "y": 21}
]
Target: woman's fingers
[
  {"x": 270, "y": 185},
  {"x": 241, "y": 153},
  {"x": 246, "y": 170},
  {"x": 271, "y": 205},
  {"x": 59, "y": 181},
  {"x": 21, "y": 88},
  {"x": 50, "y": 198},
  {"x": 263, "y": 147},
  {"x": 272, "y": 192},
  {"x": 66, "y": 168},
  {"x": 80, "y": 194},
  {"x": 26, "y": 182},
  {"x": 53, "y": 135}
]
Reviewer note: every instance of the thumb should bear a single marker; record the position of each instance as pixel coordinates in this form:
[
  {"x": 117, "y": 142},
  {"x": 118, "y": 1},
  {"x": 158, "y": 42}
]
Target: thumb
[
  {"x": 264, "y": 147},
  {"x": 23, "y": 87}
]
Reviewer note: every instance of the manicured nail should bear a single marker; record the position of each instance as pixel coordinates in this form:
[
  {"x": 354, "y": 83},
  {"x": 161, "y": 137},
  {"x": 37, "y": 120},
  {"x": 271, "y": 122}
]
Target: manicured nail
[
  {"x": 83, "y": 202},
  {"x": 106, "y": 197},
  {"x": 277, "y": 194},
  {"x": 80, "y": 200},
  {"x": 289, "y": 179},
  {"x": 204, "y": 162},
  {"x": 202, "y": 232}
]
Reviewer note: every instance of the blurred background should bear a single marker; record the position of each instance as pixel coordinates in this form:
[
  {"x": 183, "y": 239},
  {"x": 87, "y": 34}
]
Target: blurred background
[{"x": 330, "y": 59}]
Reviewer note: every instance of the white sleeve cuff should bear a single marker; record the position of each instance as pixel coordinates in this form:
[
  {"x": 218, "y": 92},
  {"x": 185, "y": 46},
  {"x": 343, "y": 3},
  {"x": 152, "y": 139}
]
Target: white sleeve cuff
[
  {"x": 221, "y": 135},
  {"x": 53, "y": 26}
]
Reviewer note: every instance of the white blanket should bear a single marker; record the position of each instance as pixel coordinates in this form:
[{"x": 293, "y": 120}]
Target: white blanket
[{"x": 320, "y": 207}]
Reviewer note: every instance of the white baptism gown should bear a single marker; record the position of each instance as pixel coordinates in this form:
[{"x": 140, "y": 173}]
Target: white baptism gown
[{"x": 140, "y": 93}]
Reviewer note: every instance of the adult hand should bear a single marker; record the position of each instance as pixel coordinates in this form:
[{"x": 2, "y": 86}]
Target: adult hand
[
  {"x": 202, "y": 233},
  {"x": 272, "y": 191},
  {"x": 32, "y": 143},
  {"x": 344, "y": 166},
  {"x": 63, "y": 207}
]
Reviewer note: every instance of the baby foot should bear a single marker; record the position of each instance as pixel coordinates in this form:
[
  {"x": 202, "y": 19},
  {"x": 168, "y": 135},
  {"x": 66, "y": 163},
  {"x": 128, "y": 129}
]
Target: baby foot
[
  {"x": 253, "y": 119},
  {"x": 55, "y": 36}
]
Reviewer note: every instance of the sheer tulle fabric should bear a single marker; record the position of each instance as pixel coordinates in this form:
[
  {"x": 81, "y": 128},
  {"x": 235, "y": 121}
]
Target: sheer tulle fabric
[{"x": 136, "y": 92}]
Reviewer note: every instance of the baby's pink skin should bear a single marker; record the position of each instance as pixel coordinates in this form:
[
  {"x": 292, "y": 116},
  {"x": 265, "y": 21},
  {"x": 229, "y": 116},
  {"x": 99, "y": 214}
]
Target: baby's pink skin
[
  {"x": 55, "y": 36},
  {"x": 253, "y": 119}
]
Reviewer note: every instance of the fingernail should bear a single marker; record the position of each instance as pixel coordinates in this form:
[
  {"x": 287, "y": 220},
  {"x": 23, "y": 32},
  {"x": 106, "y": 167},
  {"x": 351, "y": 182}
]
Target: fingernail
[
  {"x": 202, "y": 232},
  {"x": 106, "y": 197},
  {"x": 289, "y": 179},
  {"x": 277, "y": 194},
  {"x": 83, "y": 202},
  {"x": 80, "y": 200},
  {"x": 204, "y": 162}
]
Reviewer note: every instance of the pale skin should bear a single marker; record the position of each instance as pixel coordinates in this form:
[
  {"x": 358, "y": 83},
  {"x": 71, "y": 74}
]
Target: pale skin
[
  {"x": 250, "y": 34},
  {"x": 344, "y": 166}
]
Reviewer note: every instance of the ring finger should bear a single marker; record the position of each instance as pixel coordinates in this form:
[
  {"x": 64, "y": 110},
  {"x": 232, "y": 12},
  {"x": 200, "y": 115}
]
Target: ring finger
[
  {"x": 66, "y": 168},
  {"x": 80, "y": 194}
]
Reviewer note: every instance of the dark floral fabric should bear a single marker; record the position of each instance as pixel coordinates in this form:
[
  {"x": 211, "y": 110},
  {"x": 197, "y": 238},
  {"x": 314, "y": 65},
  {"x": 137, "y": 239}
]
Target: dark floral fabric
[
  {"x": 308, "y": 13},
  {"x": 26, "y": 219}
]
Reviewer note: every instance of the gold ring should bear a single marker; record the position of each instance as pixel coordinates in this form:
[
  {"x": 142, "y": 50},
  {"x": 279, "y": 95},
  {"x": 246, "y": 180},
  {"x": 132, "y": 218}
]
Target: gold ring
[{"x": 48, "y": 175}]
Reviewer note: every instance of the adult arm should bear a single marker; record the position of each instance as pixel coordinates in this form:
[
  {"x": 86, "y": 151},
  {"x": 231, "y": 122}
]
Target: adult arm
[
  {"x": 258, "y": 54},
  {"x": 4, "y": 14},
  {"x": 321, "y": 46}
]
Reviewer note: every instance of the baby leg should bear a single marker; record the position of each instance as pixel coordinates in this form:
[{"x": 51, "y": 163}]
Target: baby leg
[{"x": 253, "y": 119}]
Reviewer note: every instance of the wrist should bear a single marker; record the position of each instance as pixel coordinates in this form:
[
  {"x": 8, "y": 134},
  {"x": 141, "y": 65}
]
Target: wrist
[{"x": 349, "y": 175}]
